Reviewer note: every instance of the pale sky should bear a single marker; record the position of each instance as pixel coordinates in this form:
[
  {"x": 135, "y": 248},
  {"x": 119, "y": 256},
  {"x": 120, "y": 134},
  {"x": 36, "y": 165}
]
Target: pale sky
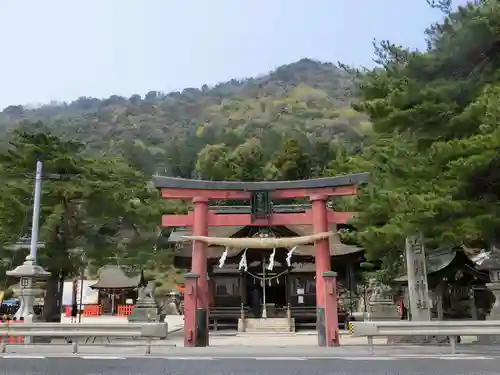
[{"x": 63, "y": 49}]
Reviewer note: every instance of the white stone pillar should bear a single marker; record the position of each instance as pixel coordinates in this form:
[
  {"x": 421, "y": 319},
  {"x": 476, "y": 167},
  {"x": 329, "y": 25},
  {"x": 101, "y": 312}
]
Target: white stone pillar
[{"x": 418, "y": 289}]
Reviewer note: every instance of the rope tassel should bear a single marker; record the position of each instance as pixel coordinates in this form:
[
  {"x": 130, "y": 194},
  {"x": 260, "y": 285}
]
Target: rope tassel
[
  {"x": 271, "y": 260},
  {"x": 223, "y": 257},
  {"x": 243, "y": 262},
  {"x": 289, "y": 256}
]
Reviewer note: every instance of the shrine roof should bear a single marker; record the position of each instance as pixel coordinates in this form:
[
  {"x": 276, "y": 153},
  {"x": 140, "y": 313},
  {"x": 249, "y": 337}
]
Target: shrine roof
[
  {"x": 326, "y": 182},
  {"x": 115, "y": 277},
  {"x": 441, "y": 259}
]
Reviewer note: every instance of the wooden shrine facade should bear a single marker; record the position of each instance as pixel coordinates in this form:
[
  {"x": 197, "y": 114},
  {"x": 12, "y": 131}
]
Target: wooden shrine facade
[
  {"x": 289, "y": 284},
  {"x": 263, "y": 213}
]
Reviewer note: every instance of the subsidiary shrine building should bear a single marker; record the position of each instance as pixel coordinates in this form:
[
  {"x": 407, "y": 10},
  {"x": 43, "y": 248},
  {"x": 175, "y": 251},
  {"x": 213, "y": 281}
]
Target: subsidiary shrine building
[{"x": 260, "y": 261}]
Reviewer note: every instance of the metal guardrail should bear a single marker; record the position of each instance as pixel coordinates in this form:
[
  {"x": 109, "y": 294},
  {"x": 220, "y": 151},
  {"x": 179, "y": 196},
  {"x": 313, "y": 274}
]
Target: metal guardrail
[
  {"x": 74, "y": 331},
  {"x": 450, "y": 328}
]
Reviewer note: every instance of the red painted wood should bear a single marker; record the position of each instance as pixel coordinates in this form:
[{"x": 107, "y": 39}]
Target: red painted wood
[
  {"x": 339, "y": 191},
  {"x": 237, "y": 220},
  {"x": 188, "y": 194},
  {"x": 199, "y": 257},
  {"x": 331, "y": 313},
  {"x": 190, "y": 306},
  {"x": 322, "y": 256},
  {"x": 321, "y": 247}
]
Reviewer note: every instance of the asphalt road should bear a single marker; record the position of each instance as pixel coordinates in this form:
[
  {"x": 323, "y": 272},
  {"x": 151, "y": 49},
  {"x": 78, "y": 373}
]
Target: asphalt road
[{"x": 92, "y": 365}]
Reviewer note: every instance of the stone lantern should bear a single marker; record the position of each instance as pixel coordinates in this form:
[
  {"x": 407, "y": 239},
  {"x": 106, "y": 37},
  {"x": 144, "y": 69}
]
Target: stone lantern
[
  {"x": 28, "y": 273},
  {"x": 492, "y": 265}
]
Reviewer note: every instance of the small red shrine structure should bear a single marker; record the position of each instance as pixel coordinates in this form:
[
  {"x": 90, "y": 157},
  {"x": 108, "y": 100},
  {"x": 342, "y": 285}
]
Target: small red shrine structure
[{"x": 262, "y": 197}]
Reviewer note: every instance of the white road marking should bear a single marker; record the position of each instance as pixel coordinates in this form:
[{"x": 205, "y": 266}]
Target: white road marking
[
  {"x": 374, "y": 358},
  {"x": 450, "y": 357},
  {"x": 98, "y": 357},
  {"x": 421, "y": 356},
  {"x": 278, "y": 358},
  {"x": 189, "y": 358},
  {"x": 195, "y": 358},
  {"x": 13, "y": 356},
  {"x": 466, "y": 358}
]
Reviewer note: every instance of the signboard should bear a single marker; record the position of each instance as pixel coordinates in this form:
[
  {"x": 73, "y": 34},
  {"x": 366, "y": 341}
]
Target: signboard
[{"x": 418, "y": 290}]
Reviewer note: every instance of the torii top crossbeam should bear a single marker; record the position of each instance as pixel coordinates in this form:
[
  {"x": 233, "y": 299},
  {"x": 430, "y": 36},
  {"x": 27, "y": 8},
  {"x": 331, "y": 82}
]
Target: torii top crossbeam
[
  {"x": 323, "y": 188},
  {"x": 186, "y": 189}
]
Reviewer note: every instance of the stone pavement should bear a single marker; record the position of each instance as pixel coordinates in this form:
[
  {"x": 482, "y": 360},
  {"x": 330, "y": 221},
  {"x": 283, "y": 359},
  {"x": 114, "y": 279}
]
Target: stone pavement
[
  {"x": 276, "y": 339},
  {"x": 301, "y": 338},
  {"x": 233, "y": 338}
]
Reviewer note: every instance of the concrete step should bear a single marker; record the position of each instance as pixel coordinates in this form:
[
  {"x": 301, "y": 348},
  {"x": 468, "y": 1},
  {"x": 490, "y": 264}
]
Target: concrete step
[
  {"x": 264, "y": 332},
  {"x": 269, "y": 325}
]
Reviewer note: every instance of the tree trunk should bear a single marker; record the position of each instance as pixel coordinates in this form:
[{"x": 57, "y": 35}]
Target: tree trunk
[{"x": 52, "y": 308}]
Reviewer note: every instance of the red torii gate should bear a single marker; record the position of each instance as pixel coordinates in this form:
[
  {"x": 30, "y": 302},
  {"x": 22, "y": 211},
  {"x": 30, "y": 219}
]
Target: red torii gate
[{"x": 200, "y": 192}]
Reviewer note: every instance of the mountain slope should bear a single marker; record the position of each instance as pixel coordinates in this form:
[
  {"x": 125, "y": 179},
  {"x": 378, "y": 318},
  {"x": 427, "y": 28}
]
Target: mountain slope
[{"x": 158, "y": 132}]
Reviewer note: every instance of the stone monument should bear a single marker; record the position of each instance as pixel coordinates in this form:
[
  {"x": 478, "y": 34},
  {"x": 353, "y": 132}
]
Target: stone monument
[
  {"x": 145, "y": 308},
  {"x": 418, "y": 289}
]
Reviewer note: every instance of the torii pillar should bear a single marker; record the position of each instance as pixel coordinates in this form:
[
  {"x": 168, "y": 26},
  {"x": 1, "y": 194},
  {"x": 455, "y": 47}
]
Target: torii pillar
[
  {"x": 327, "y": 324},
  {"x": 199, "y": 267}
]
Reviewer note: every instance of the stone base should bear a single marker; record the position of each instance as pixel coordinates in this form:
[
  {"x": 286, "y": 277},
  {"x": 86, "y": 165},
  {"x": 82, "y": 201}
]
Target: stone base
[
  {"x": 144, "y": 314},
  {"x": 359, "y": 316},
  {"x": 171, "y": 308},
  {"x": 488, "y": 340},
  {"x": 26, "y": 297},
  {"x": 41, "y": 340},
  {"x": 418, "y": 340},
  {"x": 493, "y": 315},
  {"x": 383, "y": 310},
  {"x": 241, "y": 325},
  {"x": 255, "y": 325}
]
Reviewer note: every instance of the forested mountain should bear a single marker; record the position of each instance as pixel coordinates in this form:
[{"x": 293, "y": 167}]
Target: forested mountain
[{"x": 164, "y": 132}]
